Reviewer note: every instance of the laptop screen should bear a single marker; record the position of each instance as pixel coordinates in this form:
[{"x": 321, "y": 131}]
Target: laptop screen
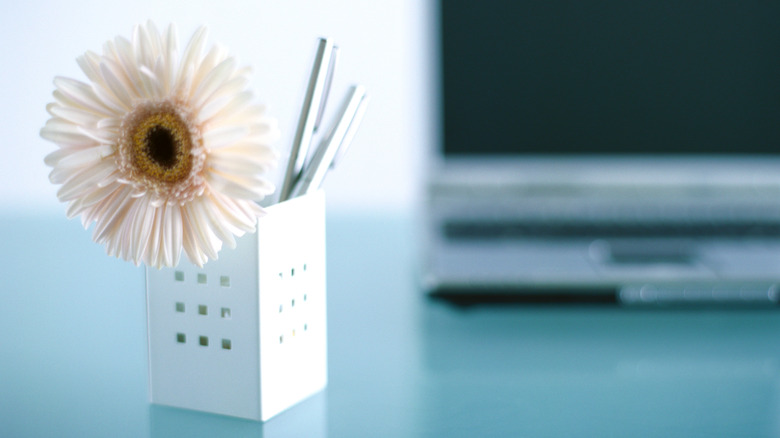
[{"x": 613, "y": 77}]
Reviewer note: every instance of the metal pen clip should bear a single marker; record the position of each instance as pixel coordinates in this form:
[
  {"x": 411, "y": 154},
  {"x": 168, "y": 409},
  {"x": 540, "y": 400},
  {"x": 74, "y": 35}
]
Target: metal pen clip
[
  {"x": 311, "y": 114},
  {"x": 335, "y": 144}
]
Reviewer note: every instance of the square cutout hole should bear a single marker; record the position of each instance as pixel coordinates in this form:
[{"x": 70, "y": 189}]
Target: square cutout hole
[
  {"x": 203, "y": 341},
  {"x": 225, "y": 312},
  {"x": 203, "y": 309},
  {"x": 181, "y": 338},
  {"x": 180, "y": 307},
  {"x": 178, "y": 276},
  {"x": 224, "y": 281},
  {"x": 202, "y": 278},
  {"x": 226, "y": 344}
]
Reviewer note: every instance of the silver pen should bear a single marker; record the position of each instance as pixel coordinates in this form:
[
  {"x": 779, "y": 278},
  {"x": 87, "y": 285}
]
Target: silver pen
[
  {"x": 313, "y": 106},
  {"x": 335, "y": 143}
]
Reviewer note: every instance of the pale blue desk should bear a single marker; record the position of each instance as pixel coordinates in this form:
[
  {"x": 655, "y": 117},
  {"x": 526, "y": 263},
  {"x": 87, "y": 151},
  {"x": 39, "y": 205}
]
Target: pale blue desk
[{"x": 73, "y": 355}]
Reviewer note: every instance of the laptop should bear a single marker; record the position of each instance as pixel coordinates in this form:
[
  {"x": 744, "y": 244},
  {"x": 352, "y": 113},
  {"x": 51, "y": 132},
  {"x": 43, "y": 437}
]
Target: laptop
[{"x": 607, "y": 151}]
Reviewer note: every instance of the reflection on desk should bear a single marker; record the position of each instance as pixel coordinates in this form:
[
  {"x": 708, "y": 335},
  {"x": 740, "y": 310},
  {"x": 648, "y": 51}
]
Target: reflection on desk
[{"x": 73, "y": 354}]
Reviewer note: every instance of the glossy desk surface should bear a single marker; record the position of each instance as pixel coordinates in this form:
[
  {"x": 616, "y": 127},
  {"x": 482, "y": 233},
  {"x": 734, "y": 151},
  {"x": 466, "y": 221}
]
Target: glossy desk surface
[{"x": 73, "y": 355}]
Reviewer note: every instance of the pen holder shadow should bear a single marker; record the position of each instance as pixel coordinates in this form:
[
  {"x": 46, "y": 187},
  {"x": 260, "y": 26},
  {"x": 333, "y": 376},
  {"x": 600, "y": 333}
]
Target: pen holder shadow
[{"x": 245, "y": 335}]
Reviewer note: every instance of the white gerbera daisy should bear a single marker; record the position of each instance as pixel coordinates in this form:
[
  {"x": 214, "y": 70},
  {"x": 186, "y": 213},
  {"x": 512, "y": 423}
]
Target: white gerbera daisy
[{"x": 161, "y": 152}]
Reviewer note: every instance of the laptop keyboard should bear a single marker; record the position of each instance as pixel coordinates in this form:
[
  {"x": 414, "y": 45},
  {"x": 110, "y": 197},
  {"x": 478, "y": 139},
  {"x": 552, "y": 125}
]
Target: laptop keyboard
[{"x": 589, "y": 229}]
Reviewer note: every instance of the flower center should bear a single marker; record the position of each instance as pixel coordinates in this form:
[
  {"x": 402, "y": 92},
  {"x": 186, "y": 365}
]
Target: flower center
[
  {"x": 160, "y": 150},
  {"x": 161, "y": 146}
]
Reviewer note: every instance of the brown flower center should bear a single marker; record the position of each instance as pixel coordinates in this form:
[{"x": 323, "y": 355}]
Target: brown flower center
[
  {"x": 160, "y": 151},
  {"x": 161, "y": 146}
]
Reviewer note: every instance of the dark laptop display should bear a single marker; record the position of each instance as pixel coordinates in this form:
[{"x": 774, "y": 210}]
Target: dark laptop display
[{"x": 611, "y": 77}]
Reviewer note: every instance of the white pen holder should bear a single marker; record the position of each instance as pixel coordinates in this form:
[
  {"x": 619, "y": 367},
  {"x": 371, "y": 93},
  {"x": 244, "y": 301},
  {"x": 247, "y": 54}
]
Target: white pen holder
[{"x": 245, "y": 335}]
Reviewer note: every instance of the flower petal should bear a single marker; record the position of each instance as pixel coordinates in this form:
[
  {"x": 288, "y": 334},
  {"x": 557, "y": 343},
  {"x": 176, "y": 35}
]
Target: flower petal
[
  {"x": 216, "y": 77},
  {"x": 115, "y": 211},
  {"x": 80, "y": 205},
  {"x": 225, "y": 90},
  {"x": 79, "y": 183},
  {"x": 236, "y": 217},
  {"x": 118, "y": 82},
  {"x": 224, "y": 107},
  {"x": 175, "y": 238},
  {"x": 85, "y": 157},
  {"x": 215, "y": 222},
  {"x": 66, "y": 135},
  {"x": 206, "y": 240},
  {"x": 191, "y": 54},
  {"x": 217, "y": 138},
  {"x": 241, "y": 188},
  {"x": 240, "y": 164},
  {"x": 76, "y": 116},
  {"x": 171, "y": 58},
  {"x": 82, "y": 95},
  {"x": 90, "y": 65}
]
